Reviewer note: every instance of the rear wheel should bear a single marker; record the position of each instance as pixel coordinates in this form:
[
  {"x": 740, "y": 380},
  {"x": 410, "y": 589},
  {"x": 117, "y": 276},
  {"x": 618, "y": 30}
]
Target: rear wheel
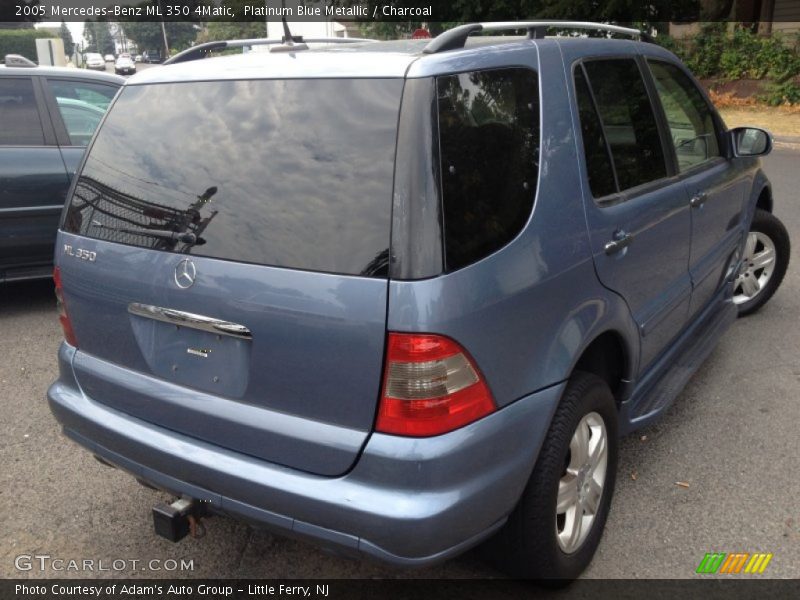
[
  {"x": 555, "y": 529},
  {"x": 764, "y": 262}
]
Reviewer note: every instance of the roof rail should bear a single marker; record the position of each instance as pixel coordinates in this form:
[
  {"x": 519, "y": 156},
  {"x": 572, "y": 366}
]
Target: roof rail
[
  {"x": 203, "y": 50},
  {"x": 457, "y": 37},
  {"x": 17, "y": 60}
]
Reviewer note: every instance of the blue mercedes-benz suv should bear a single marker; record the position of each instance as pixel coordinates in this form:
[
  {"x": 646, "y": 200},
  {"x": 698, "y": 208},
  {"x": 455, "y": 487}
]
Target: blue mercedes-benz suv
[{"x": 402, "y": 298}]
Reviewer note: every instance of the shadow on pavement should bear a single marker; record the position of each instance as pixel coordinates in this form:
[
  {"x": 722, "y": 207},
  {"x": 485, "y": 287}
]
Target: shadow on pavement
[{"x": 26, "y": 296}]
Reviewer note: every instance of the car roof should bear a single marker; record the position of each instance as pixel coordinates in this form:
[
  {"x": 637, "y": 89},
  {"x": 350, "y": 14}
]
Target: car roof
[
  {"x": 63, "y": 73},
  {"x": 389, "y": 59}
]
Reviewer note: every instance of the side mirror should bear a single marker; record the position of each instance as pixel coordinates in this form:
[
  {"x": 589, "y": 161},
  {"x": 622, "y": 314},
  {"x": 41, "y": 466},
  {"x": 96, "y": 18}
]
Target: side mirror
[{"x": 750, "y": 141}]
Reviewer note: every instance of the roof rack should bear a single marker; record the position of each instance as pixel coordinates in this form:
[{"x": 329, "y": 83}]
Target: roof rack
[
  {"x": 17, "y": 60},
  {"x": 455, "y": 38},
  {"x": 203, "y": 50}
]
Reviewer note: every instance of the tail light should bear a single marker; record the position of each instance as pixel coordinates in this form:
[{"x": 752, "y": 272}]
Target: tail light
[
  {"x": 63, "y": 317},
  {"x": 430, "y": 386}
]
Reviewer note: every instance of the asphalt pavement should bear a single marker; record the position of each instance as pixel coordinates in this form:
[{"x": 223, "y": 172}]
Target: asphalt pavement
[{"x": 718, "y": 474}]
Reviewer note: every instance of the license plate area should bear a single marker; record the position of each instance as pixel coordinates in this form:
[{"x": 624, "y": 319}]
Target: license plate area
[{"x": 217, "y": 363}]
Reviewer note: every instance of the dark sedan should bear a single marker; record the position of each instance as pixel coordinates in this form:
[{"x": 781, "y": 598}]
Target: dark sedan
[{"x": 48, "y": 116}]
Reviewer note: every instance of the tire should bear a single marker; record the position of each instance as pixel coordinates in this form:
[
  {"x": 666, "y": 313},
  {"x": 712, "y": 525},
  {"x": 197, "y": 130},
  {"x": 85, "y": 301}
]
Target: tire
[
  {"x": 756, "y": 283},
  {"x": 528, "y": 545}
]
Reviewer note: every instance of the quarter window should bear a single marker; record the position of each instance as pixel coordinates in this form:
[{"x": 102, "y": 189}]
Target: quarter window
[
  {"x": 489, "y": 143},
  {"x": 20, "y": 124},
  {"x": 628, "y": 121},
  {"x": 691, "y": 123},
  {"x": 595, "y": 148}
]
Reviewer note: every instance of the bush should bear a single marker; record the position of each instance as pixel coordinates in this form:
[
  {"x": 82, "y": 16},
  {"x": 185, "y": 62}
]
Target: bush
[
  {"x": 705, "y": 52},
  {"x": 21, "y": 41},
  {"x": 742, "y": 55},
  {"x": 740, "y": 58},
  {"x": 779, "y": 94},
  {"x": 783, "y": 61}
]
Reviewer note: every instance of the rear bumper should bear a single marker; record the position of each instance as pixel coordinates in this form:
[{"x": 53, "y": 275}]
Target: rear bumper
[{"x": 406, "y": 501}]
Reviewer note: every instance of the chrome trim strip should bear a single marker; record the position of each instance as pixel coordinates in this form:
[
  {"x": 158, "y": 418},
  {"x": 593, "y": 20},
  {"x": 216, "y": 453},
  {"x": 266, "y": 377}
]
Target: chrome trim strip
[
  {"x": 22, "y": 209},
  {"x": 187, "y": 319}
]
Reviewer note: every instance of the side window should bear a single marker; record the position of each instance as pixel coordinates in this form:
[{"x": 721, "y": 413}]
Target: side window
[
  {"x": 628, "y": 120},
  {"x": 82, "y": 106},
  {"x": 691, "y": 123},
  {"x": 20, "y": 124},
  {"x": 598, "y": 161},
  {"x": 489, "y": 143}
]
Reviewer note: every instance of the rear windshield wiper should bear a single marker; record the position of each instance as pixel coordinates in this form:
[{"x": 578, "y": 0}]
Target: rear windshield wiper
[{"x": 186, "y": 237}]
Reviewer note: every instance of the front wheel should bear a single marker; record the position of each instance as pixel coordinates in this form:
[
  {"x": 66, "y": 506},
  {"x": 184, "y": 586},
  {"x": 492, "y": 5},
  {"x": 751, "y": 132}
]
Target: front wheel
[
  {"x": 764, "y": 263},
  {"x": 555, "y": 529}
]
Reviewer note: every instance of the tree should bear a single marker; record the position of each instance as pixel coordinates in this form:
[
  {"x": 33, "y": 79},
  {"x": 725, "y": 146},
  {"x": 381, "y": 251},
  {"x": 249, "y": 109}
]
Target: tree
[
  {"x": 148, "y": 35},
  {"x": 98, "y": 37},
  {"x": 715, "y": 10},
  {"x": 66, "y": 37},
  {"x": 221, "y": 29}
]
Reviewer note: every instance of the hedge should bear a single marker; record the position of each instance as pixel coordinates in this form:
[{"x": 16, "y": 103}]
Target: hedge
[{"x": 21, "y": 41}]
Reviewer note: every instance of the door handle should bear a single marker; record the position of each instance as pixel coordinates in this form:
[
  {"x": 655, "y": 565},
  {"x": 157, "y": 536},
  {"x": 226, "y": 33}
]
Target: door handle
[
  {"x": 698, "y": 200},
  {"x": 622, "y": 239}
]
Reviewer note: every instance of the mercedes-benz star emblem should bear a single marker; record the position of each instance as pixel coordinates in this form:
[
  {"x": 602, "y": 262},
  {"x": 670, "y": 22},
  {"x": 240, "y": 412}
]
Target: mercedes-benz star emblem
[{"x": 185, "y": 273}]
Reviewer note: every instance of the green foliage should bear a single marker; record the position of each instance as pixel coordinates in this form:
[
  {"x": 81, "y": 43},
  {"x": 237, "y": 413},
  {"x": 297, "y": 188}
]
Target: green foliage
[
  {"x": 98, "y": 37},
  {"x": 777, "y": 94},
  {"x": 66, "y": 37},
  {"x": 21, "y": 41},
  {"x": 220, "y": 29},
  {"x": 148, "y": 34},
  {"x": 743, "y": 55},
  {"x": 227, "y": 30},
  {"x": 740, "y": 58},
  {"x": 704, "y": 55},
  {"x": 392, "y": 30}
]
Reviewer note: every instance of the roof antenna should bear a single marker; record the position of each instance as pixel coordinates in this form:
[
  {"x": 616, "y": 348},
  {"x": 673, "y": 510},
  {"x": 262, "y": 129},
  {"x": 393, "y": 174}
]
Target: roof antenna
[{"x": 291, "y": 43}]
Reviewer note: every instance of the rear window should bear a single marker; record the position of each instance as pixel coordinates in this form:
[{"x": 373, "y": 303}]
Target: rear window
[
  {"x": 489, "y": 143},
  {"x": 288, "y": 173}
]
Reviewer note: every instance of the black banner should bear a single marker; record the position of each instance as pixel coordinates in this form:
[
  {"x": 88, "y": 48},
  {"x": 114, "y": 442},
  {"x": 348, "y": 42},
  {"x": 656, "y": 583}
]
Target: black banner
[
  {"x": 428, "y": 11},
  {"x": 390, "y": 589}
]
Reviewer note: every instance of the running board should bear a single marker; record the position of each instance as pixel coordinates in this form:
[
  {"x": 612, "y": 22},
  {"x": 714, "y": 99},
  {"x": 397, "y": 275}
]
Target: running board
[{"x": 656, "y": 393}]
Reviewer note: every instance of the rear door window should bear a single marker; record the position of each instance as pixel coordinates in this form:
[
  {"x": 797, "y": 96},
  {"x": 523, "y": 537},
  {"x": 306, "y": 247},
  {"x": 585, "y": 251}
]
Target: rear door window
[
  {"x": 20, "y": 124},
  {"x": 82, "y": 106},
  {"x": 489, "y": 144},
  {"x": 287, "y": 173},
  {"x": 628, "y": 121}
]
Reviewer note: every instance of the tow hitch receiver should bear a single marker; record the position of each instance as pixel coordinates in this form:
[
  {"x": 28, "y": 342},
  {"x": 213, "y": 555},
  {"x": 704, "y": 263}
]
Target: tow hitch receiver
[{"x": 175, "y": 521}]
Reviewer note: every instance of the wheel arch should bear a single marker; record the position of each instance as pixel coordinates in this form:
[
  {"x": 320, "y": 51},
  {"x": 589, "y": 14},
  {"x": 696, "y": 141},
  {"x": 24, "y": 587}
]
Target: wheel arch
[
  {"x": 609, "y": 357},
  {"x": 764, "y": 201}
]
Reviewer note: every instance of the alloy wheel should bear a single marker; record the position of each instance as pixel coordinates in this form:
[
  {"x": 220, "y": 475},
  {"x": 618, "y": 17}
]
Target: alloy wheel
[
  {"x": 758, "y": 263},
  {"x": 580, "y": 488}
]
